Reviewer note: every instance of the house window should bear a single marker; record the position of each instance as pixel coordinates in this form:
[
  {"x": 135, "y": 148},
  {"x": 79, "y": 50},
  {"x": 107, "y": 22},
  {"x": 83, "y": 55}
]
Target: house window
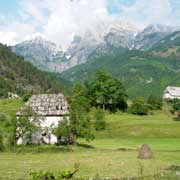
[
  {"x": 57, "y": 107},
  {"x": 44, "y": 134}
]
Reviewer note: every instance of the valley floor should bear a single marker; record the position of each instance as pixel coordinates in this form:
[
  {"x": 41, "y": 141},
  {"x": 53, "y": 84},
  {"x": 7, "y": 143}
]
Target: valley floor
[
  {"x": 112, "y": 154},
  {"x": 106, "y": 158}
]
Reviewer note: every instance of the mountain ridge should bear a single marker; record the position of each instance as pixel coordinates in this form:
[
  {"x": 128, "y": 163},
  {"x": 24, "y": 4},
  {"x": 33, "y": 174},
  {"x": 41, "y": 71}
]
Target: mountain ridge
[
  {"x": 142, "y": 72},
  {"x": 113, "y": 37}
]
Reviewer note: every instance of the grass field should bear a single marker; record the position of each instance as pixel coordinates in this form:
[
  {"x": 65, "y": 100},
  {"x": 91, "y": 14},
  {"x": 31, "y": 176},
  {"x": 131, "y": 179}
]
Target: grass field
[
  {"x": 112, "y": 154},
  {"x": 105, "y": 158},
  {"x": 9, "y": 107}
]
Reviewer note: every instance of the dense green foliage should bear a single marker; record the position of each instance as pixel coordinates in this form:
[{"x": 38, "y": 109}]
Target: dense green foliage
[
  {"x": 7, "y": 131},
  {"x": 9, "y": 86},
  {"x": 61, "y": 175},
  {"x": 99, "y": 119},
  {"x": 106, "y": 92},
  {"x": 103, "y": 92},
  {"x": 176, "y": 105},
  {"x": 18, "y": 76},
  {"x": 139, "y": 107},
  {"x": 12, "y": 128},
  {"x": 24, "y": 128},
  {"x": 155, "y": 101},
  {"x": 81, "y": 124},
  {"x": 142, "y": 73},
  {"x": 26, "y": 96},
  {"x": 64, "y": 133},
  {"x": 1, "y": 142}
]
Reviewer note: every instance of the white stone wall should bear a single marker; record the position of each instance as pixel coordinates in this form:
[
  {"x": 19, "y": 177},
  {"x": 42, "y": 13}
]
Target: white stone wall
[
  {"x": 44, "y": 135},
  {"x": 50, "y": 121}
]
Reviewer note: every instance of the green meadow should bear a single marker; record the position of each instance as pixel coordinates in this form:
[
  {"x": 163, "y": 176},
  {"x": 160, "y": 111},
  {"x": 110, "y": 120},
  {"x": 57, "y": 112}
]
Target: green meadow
[{"x": 113, "y": 153}]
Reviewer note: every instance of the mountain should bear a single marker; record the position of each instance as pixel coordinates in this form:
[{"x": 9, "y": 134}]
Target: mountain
[
  {"x": 103, "y": 39},
  {"x": 151, "y": 35},
  {"x": 169, "y": 46},
  {"x": 142, "y": 72},
  {"x": 19, "y": 76},
  {"x": 100, "y": 39},
  {"x": 44, "y": 54},
  {"x": 106, "y": 39}
]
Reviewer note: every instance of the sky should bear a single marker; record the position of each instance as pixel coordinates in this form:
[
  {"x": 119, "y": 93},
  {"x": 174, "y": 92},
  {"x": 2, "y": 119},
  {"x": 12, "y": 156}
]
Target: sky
[{"x": 60, "y": 20}]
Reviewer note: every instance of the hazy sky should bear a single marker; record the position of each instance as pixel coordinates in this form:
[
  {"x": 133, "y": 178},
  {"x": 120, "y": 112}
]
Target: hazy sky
[{"x": 59, "y": 20}]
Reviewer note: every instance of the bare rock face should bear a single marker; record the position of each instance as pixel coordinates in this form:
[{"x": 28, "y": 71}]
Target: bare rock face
[{"x": 145, "y": 152}]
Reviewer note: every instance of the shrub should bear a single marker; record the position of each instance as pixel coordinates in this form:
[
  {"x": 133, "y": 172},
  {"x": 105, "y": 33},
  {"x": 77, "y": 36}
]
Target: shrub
[
  {"x": 26, "y": 97},
  {"x": 2, "y": 118},
  {"x": 42, "y": 175},
  {"x": 1, "y": 142},
  {"x": 99, "y": 120},
  {"x": 64, "y": 133},
  {"x": 139, "y": 108},
  {"x": 155, "y": 101},
  {"x": 176, "y": 105},
  {"x": 61, "y": 175}
]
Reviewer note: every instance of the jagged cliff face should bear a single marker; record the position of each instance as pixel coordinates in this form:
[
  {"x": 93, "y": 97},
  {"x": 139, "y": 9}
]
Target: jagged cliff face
[
  {"x": 151, "y": 35},
  {"x": 103, "y": 39},
  {"x": 43, "y": 54}
]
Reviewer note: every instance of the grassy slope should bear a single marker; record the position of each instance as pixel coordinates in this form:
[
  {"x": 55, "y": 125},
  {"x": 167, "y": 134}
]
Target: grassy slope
[
  {"x": 104, "y": 155},
  {"x": 158, "y": 125},
  {"x": 9, "y": 107}
]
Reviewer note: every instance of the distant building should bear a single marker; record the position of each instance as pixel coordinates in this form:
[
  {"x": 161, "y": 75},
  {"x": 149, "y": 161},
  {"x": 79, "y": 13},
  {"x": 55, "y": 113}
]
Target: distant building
[
  {"x": 171, "y": 93},
  {"x": 51, "y": 109}
]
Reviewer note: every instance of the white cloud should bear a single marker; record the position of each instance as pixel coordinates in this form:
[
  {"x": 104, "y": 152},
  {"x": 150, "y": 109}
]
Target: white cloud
[
  {"x": 68, "y": 18},
  {"x": 59, "y": 20},
  {"x": 9, "y": 38},
  {"x": 146, "y": 12},
  {"x": 15, "y": 32}
]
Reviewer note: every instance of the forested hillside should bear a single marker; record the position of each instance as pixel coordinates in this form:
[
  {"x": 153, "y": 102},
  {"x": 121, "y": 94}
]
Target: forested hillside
[
  {"x": 169, "y": 46},
  {"x": 19, "y": 76},
  {"x": 142, "y": 72}
]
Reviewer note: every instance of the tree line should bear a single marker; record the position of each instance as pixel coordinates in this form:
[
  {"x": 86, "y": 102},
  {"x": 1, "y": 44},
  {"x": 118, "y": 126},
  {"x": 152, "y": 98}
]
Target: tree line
[{"x": 102, "y": 93}]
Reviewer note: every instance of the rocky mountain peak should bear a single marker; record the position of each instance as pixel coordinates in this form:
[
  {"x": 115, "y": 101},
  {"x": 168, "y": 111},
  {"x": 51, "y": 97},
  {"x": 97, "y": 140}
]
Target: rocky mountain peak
[
  {"x": 153, "y": 28},
  {"x": 102, "y": 38}
]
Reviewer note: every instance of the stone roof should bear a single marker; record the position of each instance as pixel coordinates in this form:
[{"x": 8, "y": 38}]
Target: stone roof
[
  {"x": 174, "y": 91},
  {"x": 48, "y": 104}
]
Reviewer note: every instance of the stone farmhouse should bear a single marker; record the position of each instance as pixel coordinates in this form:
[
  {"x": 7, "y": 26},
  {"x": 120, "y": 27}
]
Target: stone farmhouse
[
  {"x": 171, "y": 93},
  {"x": 51, "y": 109}
]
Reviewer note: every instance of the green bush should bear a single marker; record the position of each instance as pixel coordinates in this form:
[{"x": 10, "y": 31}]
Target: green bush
[
  {"x": 26, "y": 97},
  {"x": 99, "y": 120},
  {"x": 155, "y": 102},
  {"x": 61, "y": 175},
  {"x": 64, "y": 133},
  {"x": 42, "y": 175},
  {"x": 1, "y": 142},
  {"x": 176, "y": 105},
  {"x": 3, "y": 118},
  {"x": 139, "y": 107}
]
